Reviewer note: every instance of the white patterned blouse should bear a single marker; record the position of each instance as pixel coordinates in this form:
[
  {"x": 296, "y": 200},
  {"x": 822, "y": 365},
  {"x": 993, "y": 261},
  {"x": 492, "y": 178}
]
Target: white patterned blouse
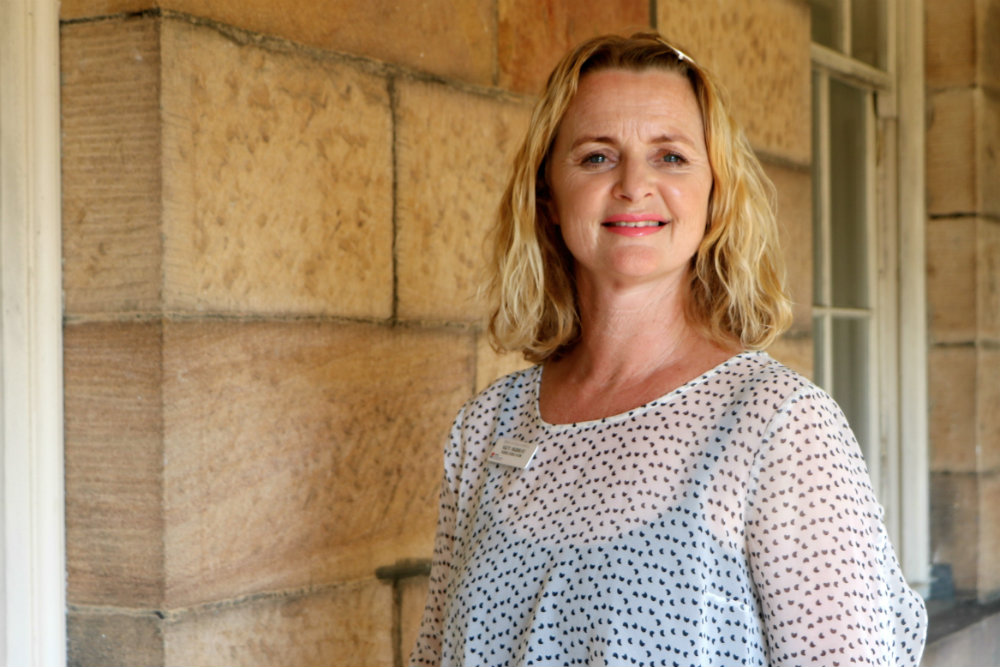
[{"x": 730, "y": 522}]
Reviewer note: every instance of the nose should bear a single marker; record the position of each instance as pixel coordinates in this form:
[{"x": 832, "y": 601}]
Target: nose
[{"x": 634, "y": 180}]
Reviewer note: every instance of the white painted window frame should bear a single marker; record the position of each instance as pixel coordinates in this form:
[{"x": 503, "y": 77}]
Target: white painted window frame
[
  {"x": 824, "y": 315},
  {"x": 897, "y": 266},
  {"x": 914, "y": 467},
  {"x": 32, "y": 588}
]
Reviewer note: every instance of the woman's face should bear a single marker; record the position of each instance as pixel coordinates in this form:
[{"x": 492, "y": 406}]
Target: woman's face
[{"x": 630, "y": 177}]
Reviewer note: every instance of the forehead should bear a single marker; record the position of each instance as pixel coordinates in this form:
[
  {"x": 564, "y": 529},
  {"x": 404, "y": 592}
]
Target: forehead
[{"x": 617, "y": 97}]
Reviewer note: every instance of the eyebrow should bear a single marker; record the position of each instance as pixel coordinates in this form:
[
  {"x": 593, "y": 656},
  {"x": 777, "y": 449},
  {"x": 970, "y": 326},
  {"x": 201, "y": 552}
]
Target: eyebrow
[{"x": 604, "y": 139}]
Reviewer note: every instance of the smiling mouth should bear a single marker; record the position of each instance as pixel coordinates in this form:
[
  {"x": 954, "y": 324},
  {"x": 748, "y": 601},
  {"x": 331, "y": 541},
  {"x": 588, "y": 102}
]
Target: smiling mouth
[{"x": 635, "y": 225}]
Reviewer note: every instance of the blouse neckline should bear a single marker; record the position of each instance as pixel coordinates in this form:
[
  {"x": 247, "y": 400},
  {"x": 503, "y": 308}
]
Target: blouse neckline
[{"x": 535, "y": 383}]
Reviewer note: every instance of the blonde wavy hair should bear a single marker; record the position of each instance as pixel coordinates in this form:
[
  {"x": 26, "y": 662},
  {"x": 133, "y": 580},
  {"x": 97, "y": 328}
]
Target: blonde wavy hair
[{"x": 736, "y": 292}]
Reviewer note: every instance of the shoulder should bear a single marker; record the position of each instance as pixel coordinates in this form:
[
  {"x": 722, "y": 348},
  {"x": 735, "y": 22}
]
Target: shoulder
[
  {"x": 800, "y": 396},
  {"x": 805, "y": 424},
  {"x": 505, "y": 394},
  {"x": 757, "y": 379},
  {"x": 761, "y": 394}
]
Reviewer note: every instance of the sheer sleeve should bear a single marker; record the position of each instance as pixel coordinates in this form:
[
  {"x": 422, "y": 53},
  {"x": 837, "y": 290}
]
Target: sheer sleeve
[
  {"x": 827, "y": 579},
  {"x": 428, "y": 647}
]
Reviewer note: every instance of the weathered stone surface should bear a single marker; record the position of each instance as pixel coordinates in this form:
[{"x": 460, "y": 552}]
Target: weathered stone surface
[
  {"x": 950, "y": 37},
  {"x": 78, "y": 9},
  {"x": 951, "y": 279},
  {"x": 344, "y": 625},
  {"x": 988, "y": 411},
  {"x": 277, "y": 181},
  {"x": 988, "y": 27},
  {"x": 988, "y": 150},
  {"x": 963, "y": 152},
  {"x": 767, "y": 76},
  {"x": 951, "y": 151},
  {"x": 413, "y": 596},
  {"x": 794, "y": 188},
  {"x": 301, "y": 453},
  {"x": 114, "y": 464},
  {"x": 952, "y": 383},
  {"x": 490, "y": 365},
  {"x": 955, "y": 526},
  {"x": 111, "y": 166},
  {"x": 988, "y": 280},
  {"x": 454, "y": 151},
  {"x": 989, "y": 536},
  {"x": 411, "y": 34},
  {"x": 98, "y": 638},
  {"x": 532, "y": 36}
]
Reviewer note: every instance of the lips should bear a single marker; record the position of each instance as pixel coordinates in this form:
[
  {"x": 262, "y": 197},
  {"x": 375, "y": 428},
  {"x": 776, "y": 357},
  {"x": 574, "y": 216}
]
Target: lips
[{"x": 633, "y": 225}]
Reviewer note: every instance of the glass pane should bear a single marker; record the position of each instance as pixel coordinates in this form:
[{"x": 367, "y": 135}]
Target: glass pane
[
  {"x": 848, "y": 195},
  {"x": 851, "y": 377},
  {"x": 821, "y": 292},
  {"x": 868, "y": 32},
  {"x": 826, "y": 28},
  {"x": 821, "y": 374}
]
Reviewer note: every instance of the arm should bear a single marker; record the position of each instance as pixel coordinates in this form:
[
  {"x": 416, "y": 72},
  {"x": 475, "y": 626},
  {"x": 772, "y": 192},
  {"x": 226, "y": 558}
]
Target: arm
[
  {"x": 427, "y": 651},
  {"x": 829, "y": 585}
]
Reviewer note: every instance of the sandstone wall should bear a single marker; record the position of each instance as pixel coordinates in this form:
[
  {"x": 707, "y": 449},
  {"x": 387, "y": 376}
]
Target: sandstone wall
[
  {"x": 963, "y": 283},
  {"x": 273, "y": 225}
]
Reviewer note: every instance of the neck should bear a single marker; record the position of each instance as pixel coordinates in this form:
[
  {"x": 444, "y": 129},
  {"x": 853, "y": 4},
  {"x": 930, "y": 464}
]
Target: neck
[
  {"x": 632, "y": 331},
  {"x": 636, "y": 344}
]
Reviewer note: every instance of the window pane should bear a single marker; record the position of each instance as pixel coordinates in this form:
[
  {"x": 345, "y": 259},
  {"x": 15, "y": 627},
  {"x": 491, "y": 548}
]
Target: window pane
[
  {"x": 826, "y": 28},
  {"x": 821, "y": 292},
  {"x": 851, "y": 376},
  {"x": 848, "y": 196},
  {"x": 867, "y": 31},
  {"x": 821, "y": 374}
]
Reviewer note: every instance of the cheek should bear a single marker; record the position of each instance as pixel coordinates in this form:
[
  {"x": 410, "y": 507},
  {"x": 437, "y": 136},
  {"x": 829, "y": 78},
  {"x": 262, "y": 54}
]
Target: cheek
[{"x": 692, "y": 202}]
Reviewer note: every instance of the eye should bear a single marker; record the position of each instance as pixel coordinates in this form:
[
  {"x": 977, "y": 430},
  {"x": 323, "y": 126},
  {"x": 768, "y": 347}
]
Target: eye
[
  {"x": 595, "y": 158},
  {"x": 674, "y": 158}
]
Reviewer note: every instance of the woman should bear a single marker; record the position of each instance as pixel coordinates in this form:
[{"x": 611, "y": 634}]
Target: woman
[{"x": 656, "y": 490}]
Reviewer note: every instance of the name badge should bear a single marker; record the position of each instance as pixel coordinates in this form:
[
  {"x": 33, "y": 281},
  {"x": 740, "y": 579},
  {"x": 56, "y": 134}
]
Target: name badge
[{"x": 513, "y": 453}]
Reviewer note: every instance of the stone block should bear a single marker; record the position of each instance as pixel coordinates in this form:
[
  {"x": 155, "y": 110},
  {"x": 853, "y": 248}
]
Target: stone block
[
  {"x": 300, "y": 453},
  {"x": 453, "y": 150},
  {"x": 277, "y": 181},
  {"x": 111, "y": 166},
  {"x": 768, "y": 78},
  {"x": 988, "y": 410},
  {"x": 532, "y": 36},
  {"x": 988, "y": 150},
  {"x": 80, "y": 9},
  {"x": 951, "y": 279},
  {"x": 951, "y": 387},
  {"x": 114, "y": 464},
  {"x": 988, "y": 27},
  {"x": 794, "y": 188},
  {"x": 490, "y": 365},
  {"x": 950, "y": 39},
  {"x": 450, "y": 39},
  {"x": 343, "y": 625},
  {"x": 951, "y": 151},
  {"x": 96, "y": 638},
  {"x": 413, "y": 597},
  {"x": 955, "y": 537},
  {"x": 989, "y": 537},
  {"x": 988, "y": 280}
]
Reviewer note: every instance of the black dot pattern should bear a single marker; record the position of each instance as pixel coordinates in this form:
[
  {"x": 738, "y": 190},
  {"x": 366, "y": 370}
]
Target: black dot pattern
[{"x": 730, "y": 522}]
